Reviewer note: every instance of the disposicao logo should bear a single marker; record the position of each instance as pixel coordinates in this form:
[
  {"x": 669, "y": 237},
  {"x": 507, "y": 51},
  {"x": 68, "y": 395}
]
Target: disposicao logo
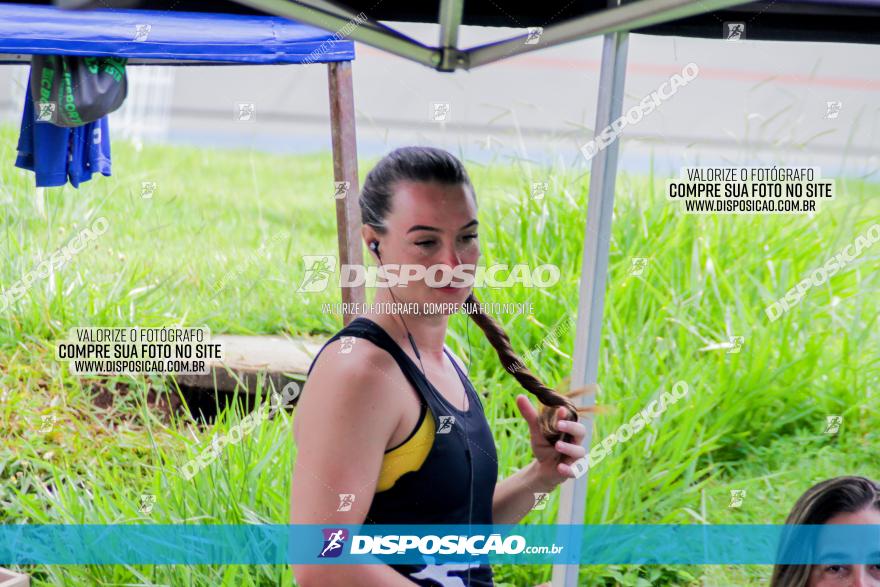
[
  {"x": 334, "y": 539},
  {"x": 402, "y": 544}
]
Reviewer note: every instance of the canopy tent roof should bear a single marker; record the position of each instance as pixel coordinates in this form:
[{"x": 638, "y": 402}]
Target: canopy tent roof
[
  {"x": 851, "y": 21},
  {"x": 183, "y": 37},
  {"x": 562, "y": 21}
]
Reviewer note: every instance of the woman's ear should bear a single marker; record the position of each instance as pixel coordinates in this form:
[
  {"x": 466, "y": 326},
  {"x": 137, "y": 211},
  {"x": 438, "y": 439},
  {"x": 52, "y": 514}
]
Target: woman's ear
[{"x": 369, "y": 235}]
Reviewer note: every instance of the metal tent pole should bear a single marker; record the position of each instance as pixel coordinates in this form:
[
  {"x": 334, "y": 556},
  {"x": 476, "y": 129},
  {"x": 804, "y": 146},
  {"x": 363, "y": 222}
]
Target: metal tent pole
[
  {"x": 337, "y": 18},
  {"x": 594, "y": 269},
  {"x": 616, "y": 18},
  {"x": 345, "y": 169},
  {"x": 332, "y": 16}
]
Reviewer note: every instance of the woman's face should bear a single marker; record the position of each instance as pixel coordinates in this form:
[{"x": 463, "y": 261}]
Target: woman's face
[
  {"x": 831, "y": 575},
  {"x": 431, "y": 224}
]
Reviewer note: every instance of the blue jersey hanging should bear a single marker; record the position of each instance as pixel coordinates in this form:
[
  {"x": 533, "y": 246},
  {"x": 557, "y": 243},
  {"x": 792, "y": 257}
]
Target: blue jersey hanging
[{"x": 58, "y": 154}]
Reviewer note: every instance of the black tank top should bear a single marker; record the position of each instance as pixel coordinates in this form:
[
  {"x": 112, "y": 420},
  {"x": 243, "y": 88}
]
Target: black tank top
[{"x": 439, "y": 491}]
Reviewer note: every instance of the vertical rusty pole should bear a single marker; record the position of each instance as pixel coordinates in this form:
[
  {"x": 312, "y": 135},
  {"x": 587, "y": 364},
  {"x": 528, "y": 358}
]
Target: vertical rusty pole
[{"x": 345, "y": 169}]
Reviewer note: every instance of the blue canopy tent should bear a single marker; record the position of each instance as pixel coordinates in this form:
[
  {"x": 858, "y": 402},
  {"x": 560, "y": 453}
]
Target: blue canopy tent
[
  {"x": 182, "y": 38},
  {"x": 163, "y": 37}
]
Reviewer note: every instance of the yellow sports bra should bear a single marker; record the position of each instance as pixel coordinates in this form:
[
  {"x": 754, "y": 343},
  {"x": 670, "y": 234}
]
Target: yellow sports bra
[{"x": 409, "y": 455}]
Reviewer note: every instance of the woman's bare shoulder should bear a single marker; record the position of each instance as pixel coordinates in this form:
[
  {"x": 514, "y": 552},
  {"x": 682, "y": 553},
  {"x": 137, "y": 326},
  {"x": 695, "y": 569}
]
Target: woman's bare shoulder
[
  {"x": 342, "y": 424},
  {"x": 357, "y": 359},
  {"x": 351, "y": 374}
]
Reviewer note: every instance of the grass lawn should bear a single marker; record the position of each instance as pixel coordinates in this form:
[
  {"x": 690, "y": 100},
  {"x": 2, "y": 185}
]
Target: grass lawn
[{"x": 753, "y": 420}]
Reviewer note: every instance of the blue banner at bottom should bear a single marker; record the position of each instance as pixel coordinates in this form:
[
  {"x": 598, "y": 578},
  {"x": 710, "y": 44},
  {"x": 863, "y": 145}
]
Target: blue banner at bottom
[{"x": 410, "y": 544}]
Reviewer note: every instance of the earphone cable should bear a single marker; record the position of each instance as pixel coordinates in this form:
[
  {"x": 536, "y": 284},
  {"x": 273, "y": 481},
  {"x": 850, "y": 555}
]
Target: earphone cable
[
  {"x": 467, "y": 440},
  {"x": 375, "y": 248}
]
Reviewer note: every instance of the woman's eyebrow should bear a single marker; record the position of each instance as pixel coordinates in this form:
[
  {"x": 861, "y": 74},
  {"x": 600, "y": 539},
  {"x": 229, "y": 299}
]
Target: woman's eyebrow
[
  {"x": 435, "y": 229},
  {"x": 469, "y": 224}
]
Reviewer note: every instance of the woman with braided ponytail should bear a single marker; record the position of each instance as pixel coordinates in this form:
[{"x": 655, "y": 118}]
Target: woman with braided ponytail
[
  {"x": 513, "y": 364},
  {"x": 408, "y": 441}
]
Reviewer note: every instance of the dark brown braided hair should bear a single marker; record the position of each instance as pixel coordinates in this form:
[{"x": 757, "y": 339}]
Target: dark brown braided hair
[{"x": 429, "y": 164}]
